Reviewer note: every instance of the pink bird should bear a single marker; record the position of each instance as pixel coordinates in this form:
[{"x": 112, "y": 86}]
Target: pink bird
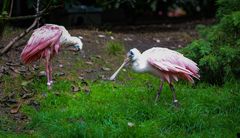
[
  {"x": 45, "y": 43},
  {"x": 164, "y": 63}
]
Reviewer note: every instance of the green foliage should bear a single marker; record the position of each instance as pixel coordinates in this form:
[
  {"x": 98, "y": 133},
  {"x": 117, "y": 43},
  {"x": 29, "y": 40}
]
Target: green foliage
[
  {"x": 226, "y": 7},
  {"x": 218, "y": 50},
  {"x": 115, "y": 47}
]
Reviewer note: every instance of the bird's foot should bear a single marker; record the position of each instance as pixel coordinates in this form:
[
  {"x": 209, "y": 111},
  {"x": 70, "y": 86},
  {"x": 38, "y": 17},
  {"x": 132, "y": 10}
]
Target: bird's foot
[
  {"x": 176, "y": 103},
  {"x": 49, "y": 84}
]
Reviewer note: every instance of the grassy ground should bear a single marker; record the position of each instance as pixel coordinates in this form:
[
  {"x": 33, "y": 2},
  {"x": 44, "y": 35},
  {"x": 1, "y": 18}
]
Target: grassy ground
[
  {"x": 124, "y": 108},
  {"x": 127, "y": 109}
]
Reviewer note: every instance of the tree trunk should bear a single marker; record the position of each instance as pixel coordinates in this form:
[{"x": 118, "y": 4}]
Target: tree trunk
[{"x": 2, "y": 26}]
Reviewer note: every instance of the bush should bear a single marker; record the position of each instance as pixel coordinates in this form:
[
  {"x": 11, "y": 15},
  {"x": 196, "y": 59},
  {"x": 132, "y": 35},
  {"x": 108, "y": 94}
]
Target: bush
[
  {"x": 115, "y": 47},
  {"x": 218, "y": 50}
]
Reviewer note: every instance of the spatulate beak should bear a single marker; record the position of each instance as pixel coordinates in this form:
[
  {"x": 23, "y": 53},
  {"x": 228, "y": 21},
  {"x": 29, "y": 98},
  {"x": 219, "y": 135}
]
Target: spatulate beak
[{"x": 119, "y": 69}]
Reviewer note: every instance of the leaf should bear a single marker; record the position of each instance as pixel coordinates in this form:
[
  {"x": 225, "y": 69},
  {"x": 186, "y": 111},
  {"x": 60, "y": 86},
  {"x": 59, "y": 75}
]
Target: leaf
[
  {"x": 25, "y": 83},
  {"x": 15, "y": 109},
  {"x": 75, "y": 88}
]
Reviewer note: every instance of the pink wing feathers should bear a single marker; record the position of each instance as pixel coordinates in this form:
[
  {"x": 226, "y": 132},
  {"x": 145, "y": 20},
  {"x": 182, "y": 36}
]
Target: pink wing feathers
[
  {"x": 46, "y": 37},
  {"x": 172, "y": 65}
]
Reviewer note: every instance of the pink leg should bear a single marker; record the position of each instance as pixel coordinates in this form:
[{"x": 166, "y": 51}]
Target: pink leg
[
  {"x": 47, "y": 56},
  {"x": 159, "y": 92},
  {"x": 175, "y": 101},
  {"x": 50, "y": 72}
]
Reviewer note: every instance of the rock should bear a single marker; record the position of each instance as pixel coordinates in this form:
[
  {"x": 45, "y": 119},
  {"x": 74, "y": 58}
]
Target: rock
[
  {"x": 89, "y": 62},
  {"x": 42, "y": 74},
  {"x": 105, "y": 69},
  {"x": 101, "y": 36},
  {"x": 59, "y": 74},
  {"x": 81, "y": 77},
  {"x": 156, "y": 40},
  {"x": 98, "y": 56},
  {"x": 127, "y": 39},
  {"x": 130, "y": 124},
  {"x": 75, "y": 88}
]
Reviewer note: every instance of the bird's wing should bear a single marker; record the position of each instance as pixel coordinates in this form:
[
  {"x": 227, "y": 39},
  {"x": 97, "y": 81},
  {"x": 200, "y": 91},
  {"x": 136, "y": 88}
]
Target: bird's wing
[
  {"x": 46, "y": 36},
  {"x": 172, "y": 64}
]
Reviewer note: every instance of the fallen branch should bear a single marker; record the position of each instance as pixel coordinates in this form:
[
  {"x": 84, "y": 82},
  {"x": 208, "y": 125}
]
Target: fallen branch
[
  {"x": 10, "y": 44},
  {"x": 21, "y": 17},
  {"x": 36, "y": 21}
]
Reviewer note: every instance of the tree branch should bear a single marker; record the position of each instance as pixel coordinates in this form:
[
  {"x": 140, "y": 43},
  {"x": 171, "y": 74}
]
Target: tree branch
[
  {"x": 42, "y": 12},
  {"x": 37, "y": 11},
  {"x": 10, "y": 44},
  {"x": 11, "y": 8}
]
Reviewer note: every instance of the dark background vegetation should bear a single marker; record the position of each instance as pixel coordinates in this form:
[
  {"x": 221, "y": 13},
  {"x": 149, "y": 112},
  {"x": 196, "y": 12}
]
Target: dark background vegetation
[{"x": 111, "y": 12}]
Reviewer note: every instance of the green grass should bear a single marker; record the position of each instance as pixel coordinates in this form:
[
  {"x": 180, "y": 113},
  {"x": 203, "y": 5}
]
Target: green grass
[
  {"x": 114, "y": 47},
  {"x": 206, "y": 111}
]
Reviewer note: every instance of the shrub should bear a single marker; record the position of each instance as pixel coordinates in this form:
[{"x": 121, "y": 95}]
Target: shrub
[
  {"x": 218, "y": 50},
  {"x": 115, "y": 47}
]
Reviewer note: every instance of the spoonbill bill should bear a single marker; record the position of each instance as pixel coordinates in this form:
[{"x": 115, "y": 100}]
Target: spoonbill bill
[
  {"x": 164, "y": 63},
  {"x": 45, "y": 43}
]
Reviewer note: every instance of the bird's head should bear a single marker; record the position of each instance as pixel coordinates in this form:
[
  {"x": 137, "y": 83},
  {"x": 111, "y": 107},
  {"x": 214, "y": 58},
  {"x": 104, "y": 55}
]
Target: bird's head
[
  {"x": 78, "y": 43},
  {"x": 133, "y": 54}
]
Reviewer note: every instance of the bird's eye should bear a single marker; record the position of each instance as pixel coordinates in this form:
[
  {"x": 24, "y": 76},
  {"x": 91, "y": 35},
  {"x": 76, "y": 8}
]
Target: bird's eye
[{"x": 131, "y": 53}]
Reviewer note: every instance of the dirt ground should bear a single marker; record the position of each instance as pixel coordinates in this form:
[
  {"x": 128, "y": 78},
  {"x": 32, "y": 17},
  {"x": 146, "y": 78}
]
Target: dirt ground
[{"x": 173, "y": 36}]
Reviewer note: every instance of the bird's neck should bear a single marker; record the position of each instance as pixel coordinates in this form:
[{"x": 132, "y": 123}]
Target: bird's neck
[
  {"x": 67, "y": 40},
  {"x": 139, "y": 65}
]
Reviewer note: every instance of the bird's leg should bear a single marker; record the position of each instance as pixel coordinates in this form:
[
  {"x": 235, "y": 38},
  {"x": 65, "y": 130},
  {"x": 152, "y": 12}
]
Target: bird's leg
[
  {"x": 159, "y": 92},
  {"x": 47, "y": 56},
  {"x": 50, "y": 72},
  {"x": 175, "y": 101}
]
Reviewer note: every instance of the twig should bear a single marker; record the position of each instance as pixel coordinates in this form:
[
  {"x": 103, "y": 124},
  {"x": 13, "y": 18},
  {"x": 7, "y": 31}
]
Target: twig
[
  {"x": 20, "y": 17},
  {"x": 10, "y": 44},
  {"x": 42, "y": 12},
  {"x": 11, "y": 8},
  {"x": 37, "y": 11}
]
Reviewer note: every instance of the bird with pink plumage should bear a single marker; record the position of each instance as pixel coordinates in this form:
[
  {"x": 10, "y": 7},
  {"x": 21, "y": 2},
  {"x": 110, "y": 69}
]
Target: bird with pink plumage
[
  {"x": 168, "y": 65},
  {"x": 45, "y": 42}
]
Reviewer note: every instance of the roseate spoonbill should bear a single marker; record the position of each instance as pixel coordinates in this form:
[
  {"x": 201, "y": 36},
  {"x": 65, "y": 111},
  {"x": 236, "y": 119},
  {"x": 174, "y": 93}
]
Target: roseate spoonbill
[
  {"x": 167, "y": 64},
  {"x": 45, "y": 43}
]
